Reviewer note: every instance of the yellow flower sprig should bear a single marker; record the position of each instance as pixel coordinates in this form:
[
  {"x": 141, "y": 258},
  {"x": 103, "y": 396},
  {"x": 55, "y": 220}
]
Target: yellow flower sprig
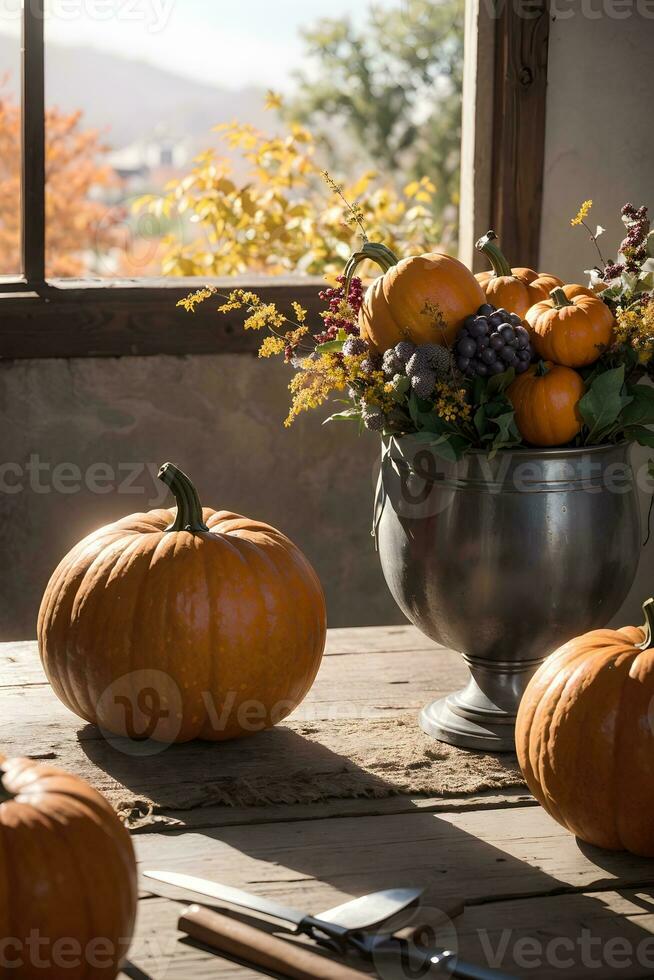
[
  {"x": 580, "y": 219},
  {"x": 260, "y": 315},
  {"x": 635, "y": 327},
  {"x": 451, "y": 402},
  {"x": 582, "y": 213}
]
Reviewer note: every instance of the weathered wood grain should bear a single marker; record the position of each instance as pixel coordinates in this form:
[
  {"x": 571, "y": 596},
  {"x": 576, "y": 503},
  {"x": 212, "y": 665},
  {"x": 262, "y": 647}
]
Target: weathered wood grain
[
  {"x": 368, "y": 685},
  {"x": 603, "y": 934},
  {"x": 20, "y": 663},
  {"x": 96, "y": 318},
  {"x": 484, "y": 855},
  {"x": 515, "y": 867},
  {"x": 520, "y": 97}
]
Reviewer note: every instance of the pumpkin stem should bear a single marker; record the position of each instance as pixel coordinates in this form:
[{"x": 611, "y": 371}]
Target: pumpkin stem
[
  {"x": 189, "y": 508},
  {"x": 542, "y": 369},
  {"x": 494, "y": 254},
  {"x": 559, "y": 298},
  {"x": 648, "y": 628},
  {"x": 373, "y": 251}
]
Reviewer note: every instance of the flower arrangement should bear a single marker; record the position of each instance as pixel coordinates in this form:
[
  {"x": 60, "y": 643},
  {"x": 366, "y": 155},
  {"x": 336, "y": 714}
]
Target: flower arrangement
[{"x": 507, "y": 358}]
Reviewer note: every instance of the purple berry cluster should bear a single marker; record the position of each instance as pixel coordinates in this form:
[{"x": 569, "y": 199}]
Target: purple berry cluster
[
  {"x": 634, "y": 246},
  {"x": 492, "y": 341},
  {"x": 333, "y": 318}
]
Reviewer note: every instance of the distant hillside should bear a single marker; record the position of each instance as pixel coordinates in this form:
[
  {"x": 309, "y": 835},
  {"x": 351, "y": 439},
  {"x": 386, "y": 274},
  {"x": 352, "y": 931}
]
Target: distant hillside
[{"x": 128, "y": 100}]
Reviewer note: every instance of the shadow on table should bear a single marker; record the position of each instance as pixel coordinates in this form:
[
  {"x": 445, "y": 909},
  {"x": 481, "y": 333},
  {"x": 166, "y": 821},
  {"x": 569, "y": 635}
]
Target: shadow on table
[
  {"x": 522, "y": 876},
  {"x": 280, "y": 767},
  {"x": 520, "y": 917}
]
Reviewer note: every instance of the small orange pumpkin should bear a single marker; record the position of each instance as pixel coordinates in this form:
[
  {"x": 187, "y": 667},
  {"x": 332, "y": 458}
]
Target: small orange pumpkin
[
  {"x": 571, "y": 328},
  {"x": 68, "y": 872},
  {"x": 585, "y": 736},
  {"x": 183, "y": 624},
  {"x": 424, "y": 298},
  {"x": 545, "y": 400},
  {"x": 513, "y": 289}
]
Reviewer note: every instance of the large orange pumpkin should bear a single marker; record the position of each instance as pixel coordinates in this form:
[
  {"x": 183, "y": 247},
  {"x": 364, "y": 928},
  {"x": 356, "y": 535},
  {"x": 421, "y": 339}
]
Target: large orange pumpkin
[
  {"x": 571, "y": 328},
  {"x": 424, "y": 298},
  {"x": 68, "y": 876},
  {"x": 514, "y": 290},
  {"x": 585, "y": 737},
  {"x": 545, "y": 400},
  {"x": 183, "y": 624}
]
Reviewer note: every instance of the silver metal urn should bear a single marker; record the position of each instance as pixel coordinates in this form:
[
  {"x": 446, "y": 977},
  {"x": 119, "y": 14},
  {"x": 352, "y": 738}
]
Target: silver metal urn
[{"x": 504, "y": 559}]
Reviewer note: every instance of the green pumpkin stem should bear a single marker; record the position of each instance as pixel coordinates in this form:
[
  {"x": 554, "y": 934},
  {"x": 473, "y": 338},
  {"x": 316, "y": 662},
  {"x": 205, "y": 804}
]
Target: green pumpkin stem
[
  {"x": 189, "y": 508},
  {"x": 559, "y": 298},
  {"x": 542, "y": 369},
  {"x": 373, "y": 252},
  {"x": 494, "y": 254},
  {"x": 648, "y": 628}
]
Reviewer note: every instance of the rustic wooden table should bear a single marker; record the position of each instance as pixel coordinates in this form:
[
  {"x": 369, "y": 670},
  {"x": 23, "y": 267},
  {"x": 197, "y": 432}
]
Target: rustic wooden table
[{"x": 537, "y": 902}]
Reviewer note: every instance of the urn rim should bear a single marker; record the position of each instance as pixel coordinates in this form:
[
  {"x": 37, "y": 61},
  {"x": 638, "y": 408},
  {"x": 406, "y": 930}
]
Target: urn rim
[{"x": 538, "y": 451}]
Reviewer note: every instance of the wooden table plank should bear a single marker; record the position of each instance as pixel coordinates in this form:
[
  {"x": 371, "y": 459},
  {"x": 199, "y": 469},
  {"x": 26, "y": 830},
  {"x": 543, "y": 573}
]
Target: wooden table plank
[
  {"x": 483, "y": 855},
  {"x": 518, "y": 855},
  {"x": 20, "y": 663},
  {"x": 603, "y": 934},
  {"x": 517, "y": 868}
]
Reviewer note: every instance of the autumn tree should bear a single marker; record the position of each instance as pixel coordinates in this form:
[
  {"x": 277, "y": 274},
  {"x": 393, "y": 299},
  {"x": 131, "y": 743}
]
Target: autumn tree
[
  {"x": 282, "y": 215},
  {"x": 80, "y": 227},
  {"x": 394, "y": 87}
]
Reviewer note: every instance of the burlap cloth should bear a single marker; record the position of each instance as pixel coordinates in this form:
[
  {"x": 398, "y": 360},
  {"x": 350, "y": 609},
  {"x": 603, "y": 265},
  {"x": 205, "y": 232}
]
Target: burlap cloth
[{"x": 294, "y": 763}]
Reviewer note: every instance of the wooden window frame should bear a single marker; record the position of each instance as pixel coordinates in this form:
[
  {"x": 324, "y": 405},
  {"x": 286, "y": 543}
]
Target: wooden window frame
[
  {"x": 504, "y": 120},
  {"x": 504, "y": 109}
]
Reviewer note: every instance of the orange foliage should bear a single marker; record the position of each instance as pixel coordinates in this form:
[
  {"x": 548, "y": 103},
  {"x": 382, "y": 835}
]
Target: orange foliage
[{"x": 78, "y": 227}]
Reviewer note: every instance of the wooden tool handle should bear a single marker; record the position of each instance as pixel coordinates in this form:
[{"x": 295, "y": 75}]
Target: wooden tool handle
[{"x": 256, "y": 946}]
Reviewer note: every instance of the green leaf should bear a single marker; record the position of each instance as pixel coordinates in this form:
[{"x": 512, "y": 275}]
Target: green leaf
[
  {"x": 350, "y": 415},
  {"x": 602, "y": 404},
  {"x": 400, "y": 390},
  {"x": 414, "y": 409},
  {"x": 498, "y": 383},
  {"x": 447, "y": 446},
  {"x": 507, "y": 433},
  {"x": 640, "y": 410},
  {"x": 332, "y": 346},
  {"x": 639, "y": 434},
  {"x": 480, "y": 422}
]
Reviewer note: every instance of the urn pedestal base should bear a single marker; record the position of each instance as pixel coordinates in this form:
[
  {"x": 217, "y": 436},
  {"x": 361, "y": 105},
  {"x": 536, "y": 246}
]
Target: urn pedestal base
[{"x": 482, "y": 715}]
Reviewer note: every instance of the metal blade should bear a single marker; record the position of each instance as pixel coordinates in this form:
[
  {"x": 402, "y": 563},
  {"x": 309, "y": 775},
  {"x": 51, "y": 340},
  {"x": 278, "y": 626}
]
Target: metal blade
[
  {"x": 233, "y": 896},
  {"x": 371, "y": 910},
  {"x": 359, "y": 913}
]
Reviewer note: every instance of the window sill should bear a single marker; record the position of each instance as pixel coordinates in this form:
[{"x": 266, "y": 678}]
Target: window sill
[{"x": 138, "y": 317}]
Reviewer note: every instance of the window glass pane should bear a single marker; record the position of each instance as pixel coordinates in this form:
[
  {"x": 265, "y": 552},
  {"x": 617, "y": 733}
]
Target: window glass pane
[
  {"x": 187, "y": 137},
  {"x": 10, "y": 257}
]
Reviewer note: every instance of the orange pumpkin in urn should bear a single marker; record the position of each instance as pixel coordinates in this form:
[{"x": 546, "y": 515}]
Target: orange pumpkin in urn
[
  {"x": 423, "y": 298},
  {"x": 515, "y": 290},
  {"x": 182, "y": 624},
  {"x": 545, "y": 400},
  {"x": 573, "y": 327}
]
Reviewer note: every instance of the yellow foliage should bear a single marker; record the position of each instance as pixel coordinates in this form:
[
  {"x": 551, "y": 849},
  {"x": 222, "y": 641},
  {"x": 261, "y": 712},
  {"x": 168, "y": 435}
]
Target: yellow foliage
[{"x": 279, "y": 217}]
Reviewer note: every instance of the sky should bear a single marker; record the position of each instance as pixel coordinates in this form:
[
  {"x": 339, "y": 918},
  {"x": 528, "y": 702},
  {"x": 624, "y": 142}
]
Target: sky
[{"x": 227, "y": 42}]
